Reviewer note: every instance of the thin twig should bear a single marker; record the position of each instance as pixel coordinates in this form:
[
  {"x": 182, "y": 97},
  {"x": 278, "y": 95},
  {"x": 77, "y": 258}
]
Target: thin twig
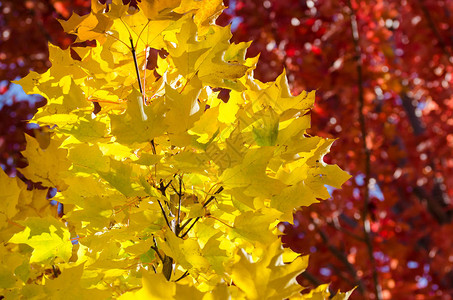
[
  {"x": 180, "y": 199},
  {"x": 218, "y": 220},
  {"x": 153, "y": 145},
  {"x": 140, "y": 100},
  {"x": 366, "y": 150},
  {"x": 162, "y": 188},
  {"x": 186, "y": 273},
  {"x": 310, "y": 277},
  {"x": 198, "y": 218},
  {"x": 212, "y": 197},
  {"x": 345, "y": 231},
  {"x": 184, "y": 225},
  {"x": 164, "y": 214},
  {"x": 157, "y": 252},
  {"x": 341, "y": 256},
  {"x": 434, "y": 29},
  {"x": 191, "y": 226}
]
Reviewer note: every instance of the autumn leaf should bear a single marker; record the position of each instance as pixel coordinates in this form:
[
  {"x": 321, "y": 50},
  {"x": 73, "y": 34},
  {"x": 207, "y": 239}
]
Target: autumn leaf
[
  {"x": 46, "y": 165},
  {"x": 10, "y": 190},
  {"x": 130, "y": 127},
  {"x": 267, "y": 277},
  {"x": 47, "y": 240}
]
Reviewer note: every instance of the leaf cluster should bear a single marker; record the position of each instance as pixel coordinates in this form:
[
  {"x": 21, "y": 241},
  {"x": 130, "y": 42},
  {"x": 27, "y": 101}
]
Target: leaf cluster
[{"x": 164, "y": 189}]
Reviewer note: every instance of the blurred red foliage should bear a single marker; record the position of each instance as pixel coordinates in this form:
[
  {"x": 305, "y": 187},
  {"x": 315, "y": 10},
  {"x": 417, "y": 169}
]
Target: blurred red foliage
[{"x": 383, "y": 74}]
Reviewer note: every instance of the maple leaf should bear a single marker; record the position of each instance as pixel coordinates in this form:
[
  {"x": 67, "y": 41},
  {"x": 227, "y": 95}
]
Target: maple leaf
[
  {"x": 131, "y": 128},
  {"x": 183, "y": 111},
  {"x": 83, "y": 129},
  {"x": 292, "y": 198},
  {"x": 89, "y": 27},
  {"x": 251, "y": 174},
  {"x": 199, "y": 57},
  {"x": 47, "y": 237},
  {"x": 322, "y": 292},
  {"x": 10, "y": 190},
  {"x": 82, "y": 162},
  {"x": 155, "y": 286},
  {"x": 268, "y": 277},
  {"x": 46, "y": 165},
  {"x": 253, "y": 226},
  {"x": 206, "y": 11},
  {"x": 60, "y": 89},
  {"x": 278, "y": 96},
  {"x": 68, "y": 285},
  {"x": 120, "y": 176},
  {"x": 7, "y": 279},
  {"x": 265, "y": 128}
]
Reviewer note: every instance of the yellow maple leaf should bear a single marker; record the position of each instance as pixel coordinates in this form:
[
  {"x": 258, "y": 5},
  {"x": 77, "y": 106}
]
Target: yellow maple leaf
[
  {"x": 199, "y": 57},
  {"x": 48, "y": 166},
  {"x": 10, "y": 189},
  {"x": 47, "y": 237},
  {"x": 268, "y": 278}
]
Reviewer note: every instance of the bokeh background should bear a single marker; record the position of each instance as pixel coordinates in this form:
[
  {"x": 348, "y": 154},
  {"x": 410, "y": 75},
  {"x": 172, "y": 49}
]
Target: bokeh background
[{"x": 382, "y": 70}]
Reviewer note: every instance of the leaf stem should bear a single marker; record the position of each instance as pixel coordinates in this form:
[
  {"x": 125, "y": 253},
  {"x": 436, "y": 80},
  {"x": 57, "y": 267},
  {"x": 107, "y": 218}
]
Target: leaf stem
[{"x": 140, "y": 34}]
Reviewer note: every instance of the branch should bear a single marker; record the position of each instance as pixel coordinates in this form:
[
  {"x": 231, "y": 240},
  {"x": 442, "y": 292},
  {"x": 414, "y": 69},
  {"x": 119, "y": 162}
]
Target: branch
[
  {"x": 179, "y": 204},
  {"x": 177, "y": 226},
  {"x": 162, "y": 188},
  {"x": 435, "y": 208},
  {"x": 164, "y": 214},
  {"x": 345, "y": 231},
  {"x": 212, "y": 197},
  {"x": 365, "y": 149},
  {"x": 186, "y": 273},
  {"x": 340, "y": 256},
  {"x": 153, "y": 145},
  {"x": 416, "y": 122},
  {"x": 137, "y": 71},
  {"x": 191, "y": 226},
  {"x": 310, "y": 277},
  {"x": 198, "y": 218},
  {"x": 167, "y": 262},
  {"x": 434, "y": 29}
]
